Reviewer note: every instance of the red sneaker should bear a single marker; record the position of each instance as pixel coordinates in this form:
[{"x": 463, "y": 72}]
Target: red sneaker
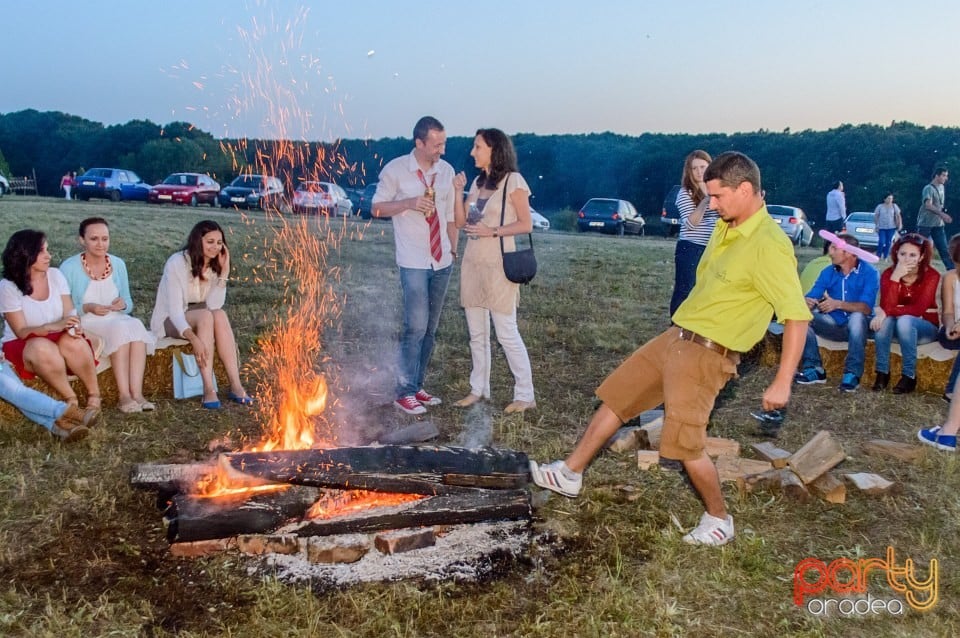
[
  {"x": 410, "y": 405},
  {"x": 425, "y": 398}
]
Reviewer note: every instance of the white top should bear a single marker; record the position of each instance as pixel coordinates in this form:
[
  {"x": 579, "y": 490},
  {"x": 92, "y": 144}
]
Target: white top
[
  {"x": 35, "y": 313},
  {"x": 411, "y": 232},
  {"x": 178, "y": 287}
]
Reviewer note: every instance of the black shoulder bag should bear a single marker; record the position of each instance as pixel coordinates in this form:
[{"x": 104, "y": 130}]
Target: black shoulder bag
[{"x": 520, "y": 266}]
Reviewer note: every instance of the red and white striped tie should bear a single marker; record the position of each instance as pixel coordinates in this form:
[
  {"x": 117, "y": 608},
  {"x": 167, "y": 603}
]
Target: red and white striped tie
[{"x": 433, "y": 220}]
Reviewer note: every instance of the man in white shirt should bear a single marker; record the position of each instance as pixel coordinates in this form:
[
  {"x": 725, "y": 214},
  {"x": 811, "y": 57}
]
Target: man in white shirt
[
  {"x": 416, "y": 192},
  {"x": 836, "y": 208}
]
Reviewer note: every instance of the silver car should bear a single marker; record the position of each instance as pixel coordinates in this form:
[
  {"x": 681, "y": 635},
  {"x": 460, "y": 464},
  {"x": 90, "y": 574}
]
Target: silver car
[
  {"x": 793, "y": 221},
  {"x": 862, "y": 225}
]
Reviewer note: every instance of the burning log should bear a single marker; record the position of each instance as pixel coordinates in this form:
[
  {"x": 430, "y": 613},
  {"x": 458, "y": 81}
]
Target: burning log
[
  {"x": 197, "y": 518},
  {"x": 396, "y": 469},
  {"x": 472, "y": 506}
]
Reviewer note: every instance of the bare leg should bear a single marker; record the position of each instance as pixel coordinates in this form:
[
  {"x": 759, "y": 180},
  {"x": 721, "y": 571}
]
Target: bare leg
[
  {"x": 138, "y": 364},
  {"x": 952, "y": 424},
  {"x": 43, "y": 358},
  {"x": 202, "y": 323},
  {"x": 78, "y": 357},
  {"x": 227, "y": 351},
  {"x": 602, "y": 426},
  {"x": 120, "y": 363},
  {"x": 703, "y": 475}
]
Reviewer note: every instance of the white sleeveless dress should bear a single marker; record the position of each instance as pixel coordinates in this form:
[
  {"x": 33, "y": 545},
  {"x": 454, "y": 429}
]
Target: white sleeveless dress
[{"x": 115, "y": 328}]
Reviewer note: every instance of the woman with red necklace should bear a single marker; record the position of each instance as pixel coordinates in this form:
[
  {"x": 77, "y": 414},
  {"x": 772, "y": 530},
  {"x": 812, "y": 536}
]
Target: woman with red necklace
[{"x": 101, "y": 291}]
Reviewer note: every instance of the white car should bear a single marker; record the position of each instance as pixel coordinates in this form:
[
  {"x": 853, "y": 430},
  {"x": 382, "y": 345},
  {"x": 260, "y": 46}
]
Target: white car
[
  {"x": 321, "y": 197},
  {"x": 539, "y": 221},
  {"x": 4, "y": 186}
]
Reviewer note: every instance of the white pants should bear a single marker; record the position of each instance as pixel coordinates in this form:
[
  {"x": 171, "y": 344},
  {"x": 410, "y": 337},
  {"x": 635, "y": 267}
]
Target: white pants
[
  {"x": 478, "y": 323},
  {"x": 66, "y": 190}
]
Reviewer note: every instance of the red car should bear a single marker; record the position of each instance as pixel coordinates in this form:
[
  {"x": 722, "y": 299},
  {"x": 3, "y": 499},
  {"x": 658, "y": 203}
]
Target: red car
[{"x": 185, "y": 188}]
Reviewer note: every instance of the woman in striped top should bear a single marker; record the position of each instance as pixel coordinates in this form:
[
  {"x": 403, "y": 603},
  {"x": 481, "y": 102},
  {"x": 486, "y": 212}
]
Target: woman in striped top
[{"x": 696, "y": 226}]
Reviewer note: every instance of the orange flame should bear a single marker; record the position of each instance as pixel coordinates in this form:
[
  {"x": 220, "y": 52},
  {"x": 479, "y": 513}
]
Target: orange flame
[{"x": 350, "y": 501}]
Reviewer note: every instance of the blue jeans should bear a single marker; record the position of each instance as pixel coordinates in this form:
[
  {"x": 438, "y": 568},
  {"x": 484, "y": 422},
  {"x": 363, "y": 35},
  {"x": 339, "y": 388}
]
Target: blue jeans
[
  {"x": 423, "y": 291},
  {"x": 939, "y": 237},
  {"x": 854, "y": 333},
  {"x": 950, "y": 344},
  {"x": 910, "y": 332},
  {"x": 885, "y": 241},
  {"x": 686, "y": 257},
  {"x": 35, "y": 405}
]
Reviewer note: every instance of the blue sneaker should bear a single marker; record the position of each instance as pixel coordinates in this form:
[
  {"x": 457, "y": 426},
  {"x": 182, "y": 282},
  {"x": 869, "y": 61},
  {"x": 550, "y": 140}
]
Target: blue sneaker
[
  {"x": 809, "y": 376},
  {"x": 849, "y": 382},
  {"x": 932, "y": 437}
]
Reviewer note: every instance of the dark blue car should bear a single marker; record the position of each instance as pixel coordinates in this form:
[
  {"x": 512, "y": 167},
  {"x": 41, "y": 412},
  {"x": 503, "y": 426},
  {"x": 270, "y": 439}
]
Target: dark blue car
[{"x": 115, "y": 184}]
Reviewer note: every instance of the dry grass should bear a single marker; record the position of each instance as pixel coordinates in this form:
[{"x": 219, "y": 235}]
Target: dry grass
[{"x": 81, "y": 554}]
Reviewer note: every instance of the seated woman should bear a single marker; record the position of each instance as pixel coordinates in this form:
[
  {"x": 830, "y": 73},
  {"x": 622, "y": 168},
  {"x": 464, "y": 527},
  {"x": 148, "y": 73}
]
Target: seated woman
[
  {"x": 64, "y": 420},
  {"x": 190, "y": 306},
  {"x": 908, "y": 309},
  {"x": 101, "y": 291},
  {"x": 949, "y": 336},
  {"x": 42, "y": 334}
]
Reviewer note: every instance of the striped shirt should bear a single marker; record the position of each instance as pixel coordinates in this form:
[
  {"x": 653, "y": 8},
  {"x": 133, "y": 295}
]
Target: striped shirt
[{"x": 699, "y": 234}]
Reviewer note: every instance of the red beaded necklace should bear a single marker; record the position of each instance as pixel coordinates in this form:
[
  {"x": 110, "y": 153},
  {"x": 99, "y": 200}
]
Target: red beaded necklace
[{"x": 107, "y": 271}]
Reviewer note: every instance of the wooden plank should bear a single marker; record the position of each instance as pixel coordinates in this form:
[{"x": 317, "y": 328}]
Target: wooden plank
[
  {"x": 466, "y": 507},
  {"x": 893, "y": 449},
  {"x": 830, "y": 488},
  {"x": 768, "y": 480},
  {"x": 872, "y": 484},
  {"x": 173, "y": 477},
  {"x": 817, "y": 456},
  {"x": 404, "y": 540},
  {"x": 716, "y": 447},
  {"x": 792, "y": 487},
  {"x": 427, "y": 470},
  {"x": 623, "y": 440},
  {"x": 647, "y": 459},
  {"x": 648, "y": 437},
  {"x": 771, "y": 453}
]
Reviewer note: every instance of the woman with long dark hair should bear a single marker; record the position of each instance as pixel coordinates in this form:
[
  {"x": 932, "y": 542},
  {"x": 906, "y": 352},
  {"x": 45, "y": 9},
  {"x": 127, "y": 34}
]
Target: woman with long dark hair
[
  {"x": 101, "y": 292},
  {"x": 908, "y": 310},
  {"x": 696, "y": 226},
  {"x": 485, "y": 292},
  {"x": 42, "y": 334},
  {"x": 190, "y": 306}
]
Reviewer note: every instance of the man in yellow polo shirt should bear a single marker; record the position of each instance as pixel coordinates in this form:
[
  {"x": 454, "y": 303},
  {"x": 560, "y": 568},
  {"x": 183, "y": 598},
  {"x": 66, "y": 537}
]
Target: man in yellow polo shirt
[{"x": 747, "y": 273}]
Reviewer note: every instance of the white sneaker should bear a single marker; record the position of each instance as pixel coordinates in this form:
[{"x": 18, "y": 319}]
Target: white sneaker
[
  {"x": 551, "y": 477},
  {"x": 711, "y": 531}
]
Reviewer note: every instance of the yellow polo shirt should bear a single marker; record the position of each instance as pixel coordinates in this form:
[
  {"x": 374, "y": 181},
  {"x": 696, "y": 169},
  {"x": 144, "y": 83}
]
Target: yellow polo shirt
[{"x": 746, "y": 274}]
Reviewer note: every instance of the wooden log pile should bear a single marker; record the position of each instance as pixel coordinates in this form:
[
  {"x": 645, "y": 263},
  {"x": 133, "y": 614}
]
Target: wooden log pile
[
  {"x": 437, "y": 486},
  {"x": 799, "y": 476}
]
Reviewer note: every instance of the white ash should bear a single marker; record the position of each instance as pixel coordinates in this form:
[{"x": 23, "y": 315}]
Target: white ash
[{"x": 465, "y": 553}]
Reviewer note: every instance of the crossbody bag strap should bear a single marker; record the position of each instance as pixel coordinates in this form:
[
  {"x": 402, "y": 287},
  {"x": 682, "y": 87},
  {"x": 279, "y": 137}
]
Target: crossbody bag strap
[{"x": 503, "y": 212}]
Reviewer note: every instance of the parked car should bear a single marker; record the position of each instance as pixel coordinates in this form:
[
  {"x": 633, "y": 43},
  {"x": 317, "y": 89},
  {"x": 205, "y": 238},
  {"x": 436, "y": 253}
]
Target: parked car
[
  {"x": 610, "y": 216},
  {"x": 794, "y": 223},
  {"x": 252, "y": 191},
  {"x": 862, "y": 225},
  {"x": 4, "y": 186},
  {"x": 115, "y": 184},
  {"x": 670, "y": 214},
  {"x": 366, "y": 198},
  {"x": 321, "y": 197},
  {"x": 539, "y": 221},
  {"x": 185, "y": 188}
]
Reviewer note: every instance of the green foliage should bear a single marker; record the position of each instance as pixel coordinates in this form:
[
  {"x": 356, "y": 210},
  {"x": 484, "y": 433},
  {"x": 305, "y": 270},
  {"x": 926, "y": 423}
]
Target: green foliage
[{"x": 563, "y": 171}]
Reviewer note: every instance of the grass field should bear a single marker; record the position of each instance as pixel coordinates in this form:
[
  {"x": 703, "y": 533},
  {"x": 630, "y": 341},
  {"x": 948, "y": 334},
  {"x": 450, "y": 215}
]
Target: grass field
[{"x": 82, "y": 554}]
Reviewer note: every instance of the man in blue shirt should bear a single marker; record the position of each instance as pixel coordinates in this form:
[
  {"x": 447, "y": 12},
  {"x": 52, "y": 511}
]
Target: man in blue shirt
[{"x": 842, "y": 301}]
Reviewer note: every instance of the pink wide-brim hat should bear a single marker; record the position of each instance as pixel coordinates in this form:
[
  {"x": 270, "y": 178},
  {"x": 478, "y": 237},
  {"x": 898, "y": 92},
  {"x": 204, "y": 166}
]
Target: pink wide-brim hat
[{"x": 870, "y": 258}]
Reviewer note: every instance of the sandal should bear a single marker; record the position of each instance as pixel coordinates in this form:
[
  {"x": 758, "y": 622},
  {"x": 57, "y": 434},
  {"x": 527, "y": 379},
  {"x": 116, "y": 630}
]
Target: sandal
[
  {"x": 146, "y": 406},
  {"x": 93, "y": 401},
  {"x": 129, "y": 407}
]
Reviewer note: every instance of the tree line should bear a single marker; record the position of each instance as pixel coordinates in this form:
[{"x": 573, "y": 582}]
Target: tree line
[{"x": 564, "y": 171}]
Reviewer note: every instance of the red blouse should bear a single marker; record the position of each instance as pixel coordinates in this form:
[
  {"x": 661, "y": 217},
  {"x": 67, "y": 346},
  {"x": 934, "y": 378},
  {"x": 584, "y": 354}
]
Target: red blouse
[{"x": 918, "y": 299}]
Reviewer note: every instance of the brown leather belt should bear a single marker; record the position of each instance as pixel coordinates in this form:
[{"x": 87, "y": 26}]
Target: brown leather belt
[{"x": 709, "y": 344}]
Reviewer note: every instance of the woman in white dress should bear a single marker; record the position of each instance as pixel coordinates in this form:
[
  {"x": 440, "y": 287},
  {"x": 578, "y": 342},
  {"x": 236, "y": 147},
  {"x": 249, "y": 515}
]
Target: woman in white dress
[
  {"x": 42, "y": 334},
  {"x": 101, "y": 291},
  {"x": 190, "y": 306}
]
